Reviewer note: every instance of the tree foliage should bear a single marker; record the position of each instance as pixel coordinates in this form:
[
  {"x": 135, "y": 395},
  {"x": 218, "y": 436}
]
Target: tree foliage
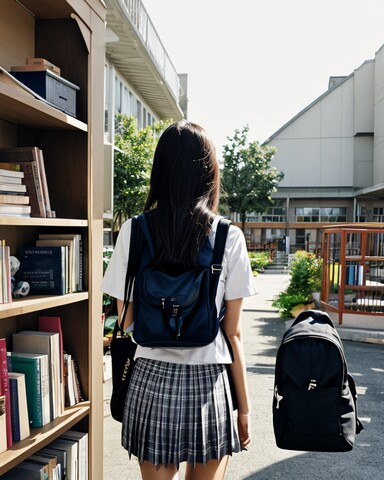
[
  {"x": 133, "y": 160},
  {"x": 247, "y": 176}
]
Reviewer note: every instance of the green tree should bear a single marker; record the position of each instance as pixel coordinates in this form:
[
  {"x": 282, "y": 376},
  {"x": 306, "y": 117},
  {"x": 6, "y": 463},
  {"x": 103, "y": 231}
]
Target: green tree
[
  {"x": 133, "y": 160},
  {"x": 247, "y": 176}
]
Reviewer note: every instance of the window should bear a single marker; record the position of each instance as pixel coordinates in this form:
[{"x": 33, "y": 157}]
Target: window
[
  {"x": 118, "y": 94},
  {"x": 275, "y": 213},
  {"x": 378, "y": 214},
  {"x": 323, "y": 214}
]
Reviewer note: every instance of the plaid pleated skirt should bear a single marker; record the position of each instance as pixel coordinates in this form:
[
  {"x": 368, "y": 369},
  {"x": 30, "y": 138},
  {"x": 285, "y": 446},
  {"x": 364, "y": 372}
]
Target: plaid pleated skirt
[{"x": 179, "y": 413}]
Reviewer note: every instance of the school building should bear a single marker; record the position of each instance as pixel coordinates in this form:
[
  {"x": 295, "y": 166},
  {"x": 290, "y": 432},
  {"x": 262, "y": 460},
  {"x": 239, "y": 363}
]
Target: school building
[
  {"x": 140, "y": 80},
  {"x": 332, "y": 156}
]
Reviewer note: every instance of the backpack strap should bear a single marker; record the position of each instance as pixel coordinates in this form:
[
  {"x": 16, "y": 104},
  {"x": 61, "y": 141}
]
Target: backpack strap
[
  {"x": 219, "y": 247},
  {"x": 141, "y": 220}
]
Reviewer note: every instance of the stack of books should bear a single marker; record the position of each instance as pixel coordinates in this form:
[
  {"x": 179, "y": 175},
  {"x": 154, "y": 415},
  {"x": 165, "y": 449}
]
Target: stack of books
[
  {"x": 54, "y": 265},
  {"x": 14, "y": 202},
  {"x": 37, "y": 381},
  {"x": 64, "y": 458},
  {"x": 28, "y": 163}
]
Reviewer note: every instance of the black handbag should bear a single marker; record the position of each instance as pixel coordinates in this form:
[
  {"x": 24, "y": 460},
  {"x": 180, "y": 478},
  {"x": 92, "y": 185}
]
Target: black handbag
[
  {"x": 122, "y": 352},
  {"x": 122, "y": 346}
]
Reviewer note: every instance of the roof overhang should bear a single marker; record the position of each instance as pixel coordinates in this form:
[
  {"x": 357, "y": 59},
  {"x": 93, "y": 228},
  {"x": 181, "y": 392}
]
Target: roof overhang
[{"x": 128, "y": 53}]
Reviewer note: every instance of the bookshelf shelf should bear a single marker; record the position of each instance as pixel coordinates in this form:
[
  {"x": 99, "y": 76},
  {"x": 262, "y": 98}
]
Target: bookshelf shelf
[
  {"x": 73, "y": 157},
  {"x": 36, "y": 303},
  {"x": 43, "y": 222},
  {"x": 20, "y": 107},
  {"x": 40, "y": 437}
]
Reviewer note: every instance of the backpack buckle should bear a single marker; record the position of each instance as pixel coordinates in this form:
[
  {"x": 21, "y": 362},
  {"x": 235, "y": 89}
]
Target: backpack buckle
[{"x": 216, "y": 268}]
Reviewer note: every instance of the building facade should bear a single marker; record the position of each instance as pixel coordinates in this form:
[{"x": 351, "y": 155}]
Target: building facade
[
  {"x": 140, "y": 79},
  {"x": 332, "y": 156}
]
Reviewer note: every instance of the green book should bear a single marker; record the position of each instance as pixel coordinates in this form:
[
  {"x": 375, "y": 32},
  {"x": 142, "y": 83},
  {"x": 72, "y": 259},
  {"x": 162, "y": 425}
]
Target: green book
[{"x": 35, "y": 368}]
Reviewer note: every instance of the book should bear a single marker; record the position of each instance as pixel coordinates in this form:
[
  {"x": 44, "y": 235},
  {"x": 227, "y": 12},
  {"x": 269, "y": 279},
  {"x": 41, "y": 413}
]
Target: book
[
  {"x": 82, "y": 458},
  {"x": 19, "y": 407},
  {"x": 3, "y": 424},
  {"x": 11, "y": 168},
  {"x": 27, "y": 470},
  {"x": 77, "y": 254},
  {"x": 71, "y": 449},
  {"x": 61, "y": 456},
  {"x": 45, "y": 63},
  {"x": 53, "y": 324},
  {"x": 44, "y": 268},
  {"x": 15, "y": 209},
  {"x": 71, "y": 266},
  {"x": 46, "y": 343},
  {"x": 69, "y": 381},
  {"x": 28, "y": 159},
  {"x": 44, "y": 184},
  {"x": 35, "y": 368},
  {"x": 32, "y": 68},
  {"x": 4, "y": 390},
  {"x": 11, "y": 199},
  {"x": 10, "y": 179},
  {"x": 5, "y": 274},
  {"x": 12, "y": 188},
  {"x": 46, "y": 460}
]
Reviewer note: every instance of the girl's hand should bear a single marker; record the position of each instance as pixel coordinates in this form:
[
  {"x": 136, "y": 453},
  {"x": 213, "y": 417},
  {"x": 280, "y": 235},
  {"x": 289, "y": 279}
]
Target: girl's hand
[{"x": 244, "y": 426}]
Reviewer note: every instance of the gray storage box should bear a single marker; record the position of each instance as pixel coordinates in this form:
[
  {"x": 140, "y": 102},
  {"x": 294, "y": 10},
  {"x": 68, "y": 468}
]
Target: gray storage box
[{"x": 54, "y": 89}]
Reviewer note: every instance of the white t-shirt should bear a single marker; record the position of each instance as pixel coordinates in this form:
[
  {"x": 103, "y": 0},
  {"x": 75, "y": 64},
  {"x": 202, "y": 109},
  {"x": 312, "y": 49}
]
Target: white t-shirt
[{"x": 236, "y": 281}]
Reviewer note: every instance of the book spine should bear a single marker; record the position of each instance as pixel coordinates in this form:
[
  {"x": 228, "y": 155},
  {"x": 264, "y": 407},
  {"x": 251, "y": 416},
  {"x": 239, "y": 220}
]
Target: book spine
[
  {"x": 9, "y": 199},
  {"x": 44, "y": 183},
  {"x": 4, "y": 388},
  {"x": 15, "y": 414},
  {"x": 34, "y": 189}
]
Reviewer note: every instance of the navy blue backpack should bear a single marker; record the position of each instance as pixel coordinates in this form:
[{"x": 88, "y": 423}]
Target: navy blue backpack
[{"x": 177, "y": 310}]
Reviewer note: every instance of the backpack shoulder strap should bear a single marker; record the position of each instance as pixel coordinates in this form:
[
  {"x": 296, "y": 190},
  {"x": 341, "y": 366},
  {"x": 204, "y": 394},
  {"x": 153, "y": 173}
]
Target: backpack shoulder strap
[
  {"x": 142, "y": 222},
  {"x": 219, "y": 247}
]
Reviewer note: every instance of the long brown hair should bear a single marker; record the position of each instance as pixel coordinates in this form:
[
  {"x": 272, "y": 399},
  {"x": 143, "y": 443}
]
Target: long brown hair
[{"x": 184, "y": 192}]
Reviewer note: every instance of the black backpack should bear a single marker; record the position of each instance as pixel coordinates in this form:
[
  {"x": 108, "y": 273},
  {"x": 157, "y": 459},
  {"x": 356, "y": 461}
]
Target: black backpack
[
  {"x": 177, "y": 310},
  {"x": 314, "y": 404}
]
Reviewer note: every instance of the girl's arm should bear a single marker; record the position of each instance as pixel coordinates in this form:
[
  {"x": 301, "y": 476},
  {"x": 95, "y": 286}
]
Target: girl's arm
[
  {"x": 232, "y": 327},
  {"x": 128, "y": 317}
]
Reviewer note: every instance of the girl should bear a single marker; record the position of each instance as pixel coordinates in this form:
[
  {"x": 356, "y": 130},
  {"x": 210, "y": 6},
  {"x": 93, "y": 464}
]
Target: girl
[{"x": 179, "y": 405}]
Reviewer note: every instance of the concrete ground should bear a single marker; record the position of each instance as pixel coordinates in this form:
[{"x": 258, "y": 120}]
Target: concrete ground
[{"x": 262, "y": 333}]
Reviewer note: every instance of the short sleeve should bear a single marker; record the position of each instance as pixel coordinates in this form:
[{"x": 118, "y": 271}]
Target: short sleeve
[
  {"x": 239, "y": 277},
  {"x": 114, "y": 278}
]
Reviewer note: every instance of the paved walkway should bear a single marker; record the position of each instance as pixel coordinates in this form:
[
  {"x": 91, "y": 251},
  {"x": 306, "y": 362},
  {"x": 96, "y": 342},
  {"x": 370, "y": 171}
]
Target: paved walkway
[{"x": 262, "y": 333}]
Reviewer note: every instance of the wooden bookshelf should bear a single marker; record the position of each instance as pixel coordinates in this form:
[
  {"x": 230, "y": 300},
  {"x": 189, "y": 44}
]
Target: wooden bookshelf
[{"x": 70, "y": 34}]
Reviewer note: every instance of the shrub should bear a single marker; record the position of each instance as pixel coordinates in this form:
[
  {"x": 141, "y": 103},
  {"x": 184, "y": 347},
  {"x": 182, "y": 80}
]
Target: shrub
[
  {"x": 306, "y": 275},
  {"x": 258, "y": 261}
]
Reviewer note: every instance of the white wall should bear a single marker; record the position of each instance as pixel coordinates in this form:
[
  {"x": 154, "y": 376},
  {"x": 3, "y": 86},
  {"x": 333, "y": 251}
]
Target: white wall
[
  {"x": 316, "y": 148},
  {"x": 378, "y": 160},
  {"x": 364, "y": 93}
]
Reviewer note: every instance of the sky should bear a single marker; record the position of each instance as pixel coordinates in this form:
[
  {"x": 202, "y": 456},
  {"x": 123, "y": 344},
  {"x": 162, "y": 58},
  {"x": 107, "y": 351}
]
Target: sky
[{"x": 260, "y": 62}]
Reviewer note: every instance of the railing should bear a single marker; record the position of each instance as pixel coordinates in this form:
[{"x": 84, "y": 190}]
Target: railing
[{"x": 138, "y": 16}]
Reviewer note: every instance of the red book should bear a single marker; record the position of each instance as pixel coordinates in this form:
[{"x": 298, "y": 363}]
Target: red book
[
  {"x": 4, "y": 389},
  {"x": 53, "y": 324}
]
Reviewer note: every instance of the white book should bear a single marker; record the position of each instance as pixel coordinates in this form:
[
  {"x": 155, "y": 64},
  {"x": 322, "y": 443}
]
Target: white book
[
  {"x": 48, "y": 343},
  {"x": 82, "y": 460},
  {"x": 71, "y": 449}
]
